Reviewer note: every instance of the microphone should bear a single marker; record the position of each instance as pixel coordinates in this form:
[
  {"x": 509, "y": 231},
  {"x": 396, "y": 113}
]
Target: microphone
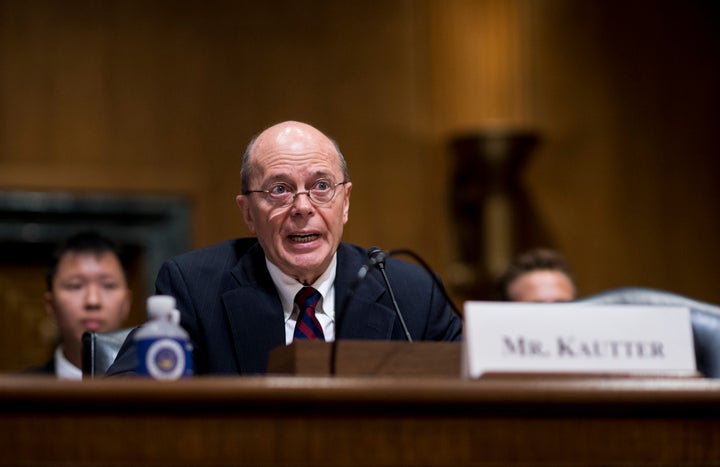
[{"x": 377, "y": 258}]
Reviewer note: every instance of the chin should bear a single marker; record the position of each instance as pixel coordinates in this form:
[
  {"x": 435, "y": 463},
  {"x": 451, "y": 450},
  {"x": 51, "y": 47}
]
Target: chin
[{"x": 308, "y": 267}]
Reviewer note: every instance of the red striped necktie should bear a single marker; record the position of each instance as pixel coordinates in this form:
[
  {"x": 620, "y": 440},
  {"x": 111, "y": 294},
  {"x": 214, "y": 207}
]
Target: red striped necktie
[{"x": 308, "y": 326}]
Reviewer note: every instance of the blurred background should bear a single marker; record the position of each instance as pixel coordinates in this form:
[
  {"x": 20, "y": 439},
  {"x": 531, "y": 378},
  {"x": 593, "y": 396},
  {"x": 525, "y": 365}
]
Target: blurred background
[{"x": 473, "y": 129}]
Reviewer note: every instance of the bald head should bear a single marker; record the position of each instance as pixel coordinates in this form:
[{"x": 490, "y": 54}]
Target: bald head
[{"x": 293, "y": 138}]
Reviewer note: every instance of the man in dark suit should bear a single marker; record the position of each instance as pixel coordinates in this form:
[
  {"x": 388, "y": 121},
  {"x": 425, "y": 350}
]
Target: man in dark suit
[{"x": 237, "y": 299}]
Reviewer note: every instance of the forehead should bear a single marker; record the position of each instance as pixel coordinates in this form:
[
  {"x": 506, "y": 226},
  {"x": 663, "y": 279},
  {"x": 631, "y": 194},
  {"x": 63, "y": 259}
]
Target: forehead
[
  {"x": 283, "y": 165},
  {"x": 82, "y": 261},
  {"x": 545, "y": 277},
  {"x": 294, "y": 148}
]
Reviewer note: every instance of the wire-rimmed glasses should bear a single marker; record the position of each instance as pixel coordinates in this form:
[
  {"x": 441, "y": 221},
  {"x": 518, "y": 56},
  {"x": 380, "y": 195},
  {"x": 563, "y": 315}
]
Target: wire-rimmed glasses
[{"x": 282, "y": 195}]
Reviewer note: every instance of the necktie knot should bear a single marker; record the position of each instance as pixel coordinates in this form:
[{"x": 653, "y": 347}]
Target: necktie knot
[{"x": 308, "y": 326}]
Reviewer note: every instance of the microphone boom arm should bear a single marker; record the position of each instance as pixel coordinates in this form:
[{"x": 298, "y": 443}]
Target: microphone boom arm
[
  {"x": 381, "y": 266},
  {"x": 429, "y": 270}
]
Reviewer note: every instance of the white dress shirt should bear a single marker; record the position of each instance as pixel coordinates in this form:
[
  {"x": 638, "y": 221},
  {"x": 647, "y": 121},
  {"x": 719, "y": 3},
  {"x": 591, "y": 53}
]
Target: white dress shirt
[
  {"x": 63, "y": 368},
  {"x": 288, "y": 287}
]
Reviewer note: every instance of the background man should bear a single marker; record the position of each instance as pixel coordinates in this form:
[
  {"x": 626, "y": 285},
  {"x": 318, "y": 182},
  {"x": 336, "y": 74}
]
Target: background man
[
  {"x": 87, "y": 290},
  {"x": 538, "y": 275}
]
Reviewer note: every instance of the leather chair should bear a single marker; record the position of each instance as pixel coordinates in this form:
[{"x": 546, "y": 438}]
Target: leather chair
[
  {"x": 704, "y": 317},
  {"x": 99, "y": 350}
]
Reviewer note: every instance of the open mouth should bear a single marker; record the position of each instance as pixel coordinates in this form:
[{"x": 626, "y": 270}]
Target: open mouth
[{"x": 304, "y": 238}]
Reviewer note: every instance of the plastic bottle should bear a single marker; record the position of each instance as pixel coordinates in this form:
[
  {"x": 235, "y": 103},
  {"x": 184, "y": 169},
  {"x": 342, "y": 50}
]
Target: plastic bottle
[{"x": 163, "y": 347}]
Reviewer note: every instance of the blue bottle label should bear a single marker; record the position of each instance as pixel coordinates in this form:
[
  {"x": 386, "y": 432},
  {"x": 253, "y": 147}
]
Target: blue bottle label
[{"x": 164, "y": 358}]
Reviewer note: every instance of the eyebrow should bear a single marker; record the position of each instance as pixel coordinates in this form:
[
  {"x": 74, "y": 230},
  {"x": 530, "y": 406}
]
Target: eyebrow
[{"x": 286, "y": 177}]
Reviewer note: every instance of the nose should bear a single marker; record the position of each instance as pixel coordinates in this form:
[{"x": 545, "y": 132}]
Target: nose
[
  {"x": 92, "y": 297},
  {"x": 302, "y": 203}
]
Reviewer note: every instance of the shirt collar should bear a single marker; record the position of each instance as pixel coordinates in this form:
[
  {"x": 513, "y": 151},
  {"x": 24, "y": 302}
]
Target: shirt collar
[
  {"x": 288, "y": 287},
  {"x": 63, "y": 368}
]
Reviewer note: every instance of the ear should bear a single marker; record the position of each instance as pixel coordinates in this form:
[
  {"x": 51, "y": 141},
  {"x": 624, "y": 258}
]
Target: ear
[
  {"x": 346, "y": 205},
  {"x": 244, "y": 204}
]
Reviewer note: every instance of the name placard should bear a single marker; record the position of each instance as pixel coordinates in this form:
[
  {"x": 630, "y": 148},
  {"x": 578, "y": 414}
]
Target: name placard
[{"x": 513, "y": 337}]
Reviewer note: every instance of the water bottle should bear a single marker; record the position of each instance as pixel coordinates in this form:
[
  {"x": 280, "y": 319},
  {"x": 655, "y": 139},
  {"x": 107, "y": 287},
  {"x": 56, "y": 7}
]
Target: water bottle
[{"x": 163, "y": 347}]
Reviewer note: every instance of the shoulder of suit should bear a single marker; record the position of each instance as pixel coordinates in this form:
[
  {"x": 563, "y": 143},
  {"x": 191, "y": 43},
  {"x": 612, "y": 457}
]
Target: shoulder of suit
[
  {"x": 359, "y": 254},
  {"x": 352, "y": 249},
  {"x": 405, "y": 265},
  {"x": 230, "y": 250},
  {"x": 46, "y": 368}
]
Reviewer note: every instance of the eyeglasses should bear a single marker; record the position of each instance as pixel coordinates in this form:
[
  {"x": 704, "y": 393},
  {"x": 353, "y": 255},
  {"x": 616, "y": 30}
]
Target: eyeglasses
[{"x": 281, "y": 194}]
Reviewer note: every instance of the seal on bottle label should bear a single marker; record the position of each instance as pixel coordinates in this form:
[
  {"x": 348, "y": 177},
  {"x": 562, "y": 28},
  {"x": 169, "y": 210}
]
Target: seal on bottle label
[{"x": 164, "y": 358}]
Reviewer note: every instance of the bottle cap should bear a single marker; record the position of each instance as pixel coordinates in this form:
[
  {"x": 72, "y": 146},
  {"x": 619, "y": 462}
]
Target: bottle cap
[{"x": 159, "y": 306}]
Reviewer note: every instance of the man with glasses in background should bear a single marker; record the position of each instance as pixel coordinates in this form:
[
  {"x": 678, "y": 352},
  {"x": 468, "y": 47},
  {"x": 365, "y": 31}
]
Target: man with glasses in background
[{"x": 241, "y": 298}]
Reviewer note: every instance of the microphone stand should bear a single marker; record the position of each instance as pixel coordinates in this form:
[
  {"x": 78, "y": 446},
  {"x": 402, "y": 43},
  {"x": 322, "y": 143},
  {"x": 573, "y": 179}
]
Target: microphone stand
[{"x": 377, "y": 257}]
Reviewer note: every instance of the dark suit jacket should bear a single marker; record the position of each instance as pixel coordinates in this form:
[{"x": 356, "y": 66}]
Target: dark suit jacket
[
  {"x": 231, "y": 309},
  {"x": 47, "y": 368}
]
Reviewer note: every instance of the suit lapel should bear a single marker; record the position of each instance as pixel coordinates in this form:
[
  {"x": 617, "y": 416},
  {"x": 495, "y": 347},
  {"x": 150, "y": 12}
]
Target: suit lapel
[
  {"x": 358, "y": 312},
  {"x": 255, "y": 317},
  {"x": 254, "y": 312}
]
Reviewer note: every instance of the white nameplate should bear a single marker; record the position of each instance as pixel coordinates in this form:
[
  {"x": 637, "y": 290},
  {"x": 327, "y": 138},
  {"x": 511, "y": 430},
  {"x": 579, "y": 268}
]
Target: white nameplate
[{"x": 514, "y": 337}]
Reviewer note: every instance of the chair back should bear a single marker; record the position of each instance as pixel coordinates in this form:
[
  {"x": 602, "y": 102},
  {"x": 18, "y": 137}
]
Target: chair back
[
  {"x": 99, "y": 350},
  {"x": 705, "y": 319}
]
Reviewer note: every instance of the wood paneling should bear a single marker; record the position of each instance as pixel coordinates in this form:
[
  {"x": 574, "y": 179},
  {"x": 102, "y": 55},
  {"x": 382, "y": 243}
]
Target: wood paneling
[
  {"x": 28, "y": 334},
  {"x": 624, "y": 96}
]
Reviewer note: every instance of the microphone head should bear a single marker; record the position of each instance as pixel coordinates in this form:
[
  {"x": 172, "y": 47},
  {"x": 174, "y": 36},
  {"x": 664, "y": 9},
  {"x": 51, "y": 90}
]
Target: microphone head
[{"x": 376, "y": 256}]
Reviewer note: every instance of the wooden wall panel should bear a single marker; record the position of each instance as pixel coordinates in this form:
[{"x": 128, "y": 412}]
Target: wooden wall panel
[
  {"x": 163, "y": 96},
  {"x": 628, "y": 94}
]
